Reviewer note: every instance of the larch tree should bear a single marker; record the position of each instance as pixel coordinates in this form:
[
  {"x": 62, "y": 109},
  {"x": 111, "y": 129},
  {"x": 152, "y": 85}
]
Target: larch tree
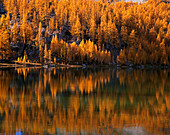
[
  {"x": 14, "y": 33},
  {"x": 131, "y": 54},
  {"x": 113, "y": 35},
  {"x": 81, "y": 51},
  {"x": 23, "y": 27},
  {"x": 52, "y": 25},
  {"x": 152, "y": 34},
  {"x": 14, "y": 14},
  {"x": 158, "y": 39},
  {"x": 45, "y": 54},
  {"x": 164, "y": 56},
  {"x": 40, "y": 53},
  {"x": 34, "y": 21},
  {"x": 99, "y": 36},
  {"x": 53, "y": 45},
  {"x": 167, "y": 38},
  {"x": 39, "y": 36},
  {"x": 121, "y": 59},
  {"x": 29, "y": 34},
  {"x": 92, "y": 29},
  {"x": 103, "y": 28},
  {"x": 5, "y": 44},
  {"x": 132, "y": 38},
  {"x": 124, "y": 34},
  {"x": 76, "y": 28},
  {"x": 49, "y": 56},
  {"x": 8, "y": 19}
]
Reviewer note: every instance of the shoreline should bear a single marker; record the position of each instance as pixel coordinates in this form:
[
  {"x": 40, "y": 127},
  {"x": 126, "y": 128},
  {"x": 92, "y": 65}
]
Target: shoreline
[{"x": 16, "y": 64}]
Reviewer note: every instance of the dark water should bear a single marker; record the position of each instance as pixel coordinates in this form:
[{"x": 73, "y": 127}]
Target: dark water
[{"x": 84, "y": 101}]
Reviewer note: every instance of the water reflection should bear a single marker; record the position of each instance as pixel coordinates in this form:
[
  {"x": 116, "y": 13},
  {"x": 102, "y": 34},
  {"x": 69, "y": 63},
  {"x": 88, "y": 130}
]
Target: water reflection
[{"x": 92, "y": 101}]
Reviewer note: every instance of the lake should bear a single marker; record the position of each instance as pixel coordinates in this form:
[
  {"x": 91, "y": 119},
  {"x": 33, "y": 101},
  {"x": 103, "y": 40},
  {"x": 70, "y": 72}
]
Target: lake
[{"x": 84, "y": 101}]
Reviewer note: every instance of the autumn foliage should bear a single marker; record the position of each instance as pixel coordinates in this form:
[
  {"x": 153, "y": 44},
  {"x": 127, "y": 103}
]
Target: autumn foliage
[{"x": 87, "y": 31}]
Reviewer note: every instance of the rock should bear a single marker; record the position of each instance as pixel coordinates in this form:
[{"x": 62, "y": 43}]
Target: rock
[{"x": 2, "y": 10}]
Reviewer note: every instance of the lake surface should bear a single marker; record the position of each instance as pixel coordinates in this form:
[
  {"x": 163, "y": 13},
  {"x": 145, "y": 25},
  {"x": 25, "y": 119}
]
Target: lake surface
[{"x": 84, "y": 101}]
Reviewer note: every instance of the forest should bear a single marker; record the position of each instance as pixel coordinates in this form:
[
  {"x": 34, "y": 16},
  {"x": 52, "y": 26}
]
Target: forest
[{"x": 85, "y": 32}]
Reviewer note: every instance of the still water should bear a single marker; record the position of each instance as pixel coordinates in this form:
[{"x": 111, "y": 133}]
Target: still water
[{"x": 84, "y": 101}]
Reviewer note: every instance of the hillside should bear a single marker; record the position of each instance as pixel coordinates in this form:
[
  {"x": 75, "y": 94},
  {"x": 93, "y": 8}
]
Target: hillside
[{"x": 85, "y": 32}]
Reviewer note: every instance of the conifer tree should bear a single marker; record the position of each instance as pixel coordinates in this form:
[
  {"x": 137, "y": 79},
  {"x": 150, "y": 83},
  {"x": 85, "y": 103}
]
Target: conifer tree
[
  {"x": 73, "y": 48},
  {"x": 92, "y": 29},
  {"x": 53, "y": 44},
  {"x": 34, "y": 21},
  {"x": 64, "y": 50},
  {"x": 113, "y": 33},
  {"x": 99, "y": 36},
  {"x": 158, "y": 39},
  {"x": 168, "y": 35},
  {"x": 45, "y": 54},
  {"x": 14, "y": 33},
  {"x": 76, "y": 28},
  {"x": 51, "y": 25},
  {"x": 29, "y": 34},
  {"x": 8, "y": 20},
  {"x": 152, "y": 34},
  {"x": 40, "y": 53},
  {"x": 132, "y": 38},
  {"x": 14, "y": 14},
  {"x": 49, "y": 56},
  {"x": 5, "y": 45},
  {"x": 131, "y": 54},
  {"x": 24, "y": 27},
  {"x": 164, "y": 56},
  {"x": 39, "y": 35},
  {"x": 124, "y": 34},
  {"x": 81, "y": 51},
  {"x": 121, "y": 59}
]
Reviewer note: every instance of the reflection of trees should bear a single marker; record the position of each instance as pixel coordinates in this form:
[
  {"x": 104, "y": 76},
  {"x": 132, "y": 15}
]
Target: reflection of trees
[
  {"x": 80, "y": 81},
  {"x": 35, "y": 104}
]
